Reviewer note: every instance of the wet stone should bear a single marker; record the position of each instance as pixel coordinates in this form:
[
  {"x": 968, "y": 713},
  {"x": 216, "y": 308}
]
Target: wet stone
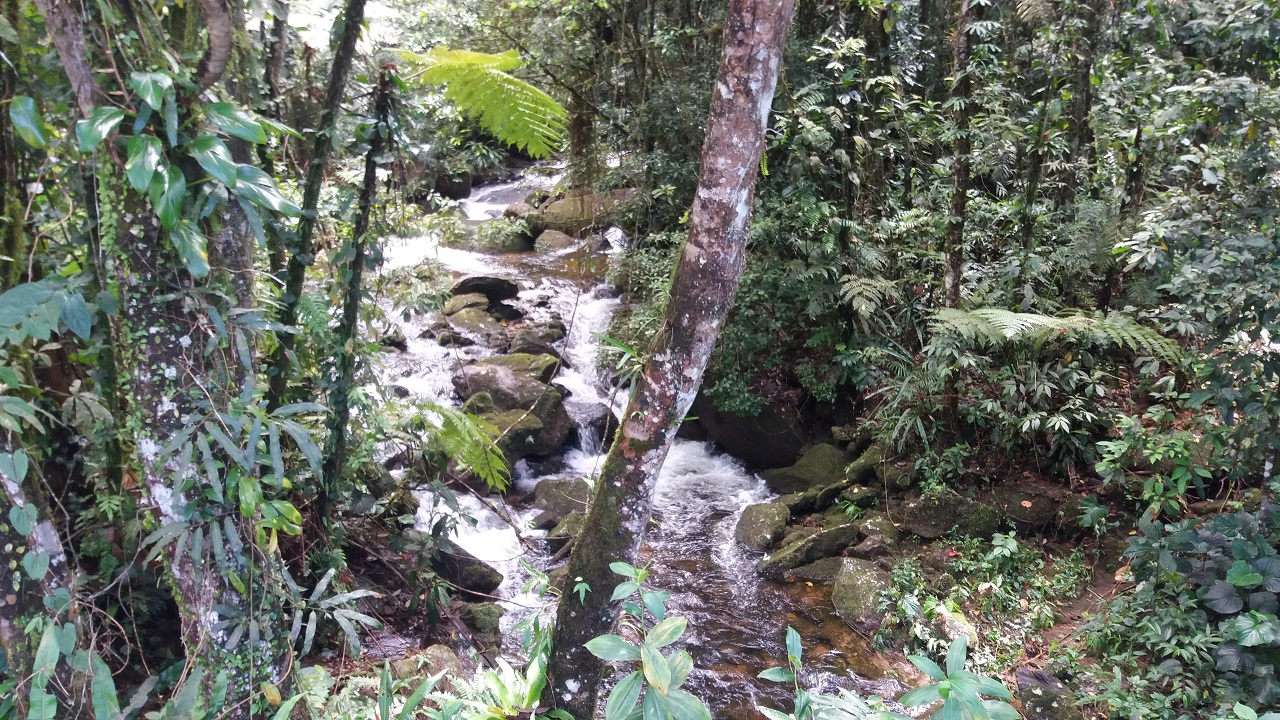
[
  {"x": 761, "y": 525},
  {"x": 458, "y": 303},
  {"x": 494, "y": 288}
]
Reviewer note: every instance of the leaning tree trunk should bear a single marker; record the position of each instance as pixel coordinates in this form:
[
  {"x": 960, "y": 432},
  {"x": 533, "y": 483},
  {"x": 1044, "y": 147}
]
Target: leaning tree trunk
[
  {"x": 702, "y": 293},
  {"x": 953, "y": 240},
  {"x": 303, "y": 252},
  {"x": 340, "y": 399}
]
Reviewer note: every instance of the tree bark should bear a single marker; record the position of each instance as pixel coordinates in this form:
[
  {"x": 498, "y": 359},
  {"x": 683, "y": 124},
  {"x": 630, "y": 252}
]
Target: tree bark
[
  {"x": 303, "y": 252},
  {"x": 702, "y": 293},
  {"x": 63, "y": 20},
  {"x": 348, "y": 325},
  {"x": 1081, "y": 103},
  {"x": 961, "y": 88},
  {"x": 218, "y": 55}
]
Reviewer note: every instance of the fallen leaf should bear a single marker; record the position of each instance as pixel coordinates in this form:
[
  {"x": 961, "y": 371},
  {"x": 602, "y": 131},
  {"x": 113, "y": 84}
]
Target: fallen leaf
[{"x": 1026, "y": 503}]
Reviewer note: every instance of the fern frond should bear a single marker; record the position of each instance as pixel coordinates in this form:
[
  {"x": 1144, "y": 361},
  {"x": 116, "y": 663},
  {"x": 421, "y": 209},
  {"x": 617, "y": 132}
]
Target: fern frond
[
  {"x": 480, "y": 86},
  {"x": 468, "y": 441},
  {"x": 996, "y": 326}
]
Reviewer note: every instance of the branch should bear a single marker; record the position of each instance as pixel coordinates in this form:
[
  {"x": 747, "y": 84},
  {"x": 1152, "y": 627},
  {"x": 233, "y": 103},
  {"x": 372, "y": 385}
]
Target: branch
[
  {"x": 218, "y": 55},
  {"x": 64, "y": 25}
]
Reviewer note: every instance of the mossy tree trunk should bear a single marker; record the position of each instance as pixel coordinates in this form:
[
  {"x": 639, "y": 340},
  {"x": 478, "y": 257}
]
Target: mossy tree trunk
[{"x": 702, "y": 293}]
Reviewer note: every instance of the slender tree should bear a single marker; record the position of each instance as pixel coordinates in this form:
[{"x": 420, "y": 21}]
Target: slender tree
[
  {"x": 961, "y": 89},
  {"x": 702, "y": 293}
]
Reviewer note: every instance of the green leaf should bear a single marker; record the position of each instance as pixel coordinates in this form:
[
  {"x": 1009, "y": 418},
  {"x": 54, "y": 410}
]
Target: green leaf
[
  {"x": 656, "y": 603},
  {"x": 46, "y": 659},
  {"x": 41, "y": 705},
  {"x": 921, "y": 696},
  {"x": 623, "y": 569},
  {"x": 684, "y": 706},
  {"x": 213, "y": 156},
  {"x": 261, "y": 190},
  {"x": 777, "y": 674},
  {"x": 75, "y": 314},
  {"x": 26, "y": 121},
  {"x": 168, "y": 191},
  {"x": 144, "y": 157},
  {"x": 656, "y": 670},
  {"x": 1222, "y": 598},
  {"x": 151, "y": 87},
  {"x": 192, "y": 248},
  {"x": 624, "y": 697},
  {"x": 666, "y": 632},
  {"x": 171, "y": 118},
  {"x": 623, "y": 590},
  {"x": 286, "y": 708},
  {"x": 235, "y": 122},
  {"x": 22, "y": 518},
  {"x": 956, "y": 654},
  {"x": 106, "y": 702},
  {"x": 794, "y": 647},
  {"x": 681, "y": 664},
  {"x": 612, "y": 647},
  {"x": 927, "y": 666},
  {"x": 1241, "y": 574},
  {"x": 36, "y": 564},
  {"x": 101, "y": 122},
  {"x": 655, "y": 706}
]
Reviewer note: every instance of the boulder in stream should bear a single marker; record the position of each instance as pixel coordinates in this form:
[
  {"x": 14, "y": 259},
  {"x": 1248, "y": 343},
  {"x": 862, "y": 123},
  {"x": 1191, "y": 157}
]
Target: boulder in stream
[
  {"x": 466, "y": 571},
  {"x": 568, "y": 529},
  {"x": 495, "y": 288},
  {"x": 529, "y": 343},
  {"x": 556, "y": 498},
  {"x": 821, "y": 465},
  {"x": 551, "y": 240},
  {"x": 823, "y": 544},
  {"x": 574, "y": 215},
  {"x": 761, "y": 525},
  {"x": 596, "y": 416},
  {"x": 540, "y": 367},
  {"x": 478, "y": 322},
  {"x": 822, "y": 571},
  {"x": 856, "y": 594},
  {"x": 517, "y": 210},
  {"x": 458, "y": 303},
  {"x": 518, "y": 395},
  {"x": 433, "y": 660},
  {"x": 485, "y": 618},
  {"x": 771, "y": 439}
]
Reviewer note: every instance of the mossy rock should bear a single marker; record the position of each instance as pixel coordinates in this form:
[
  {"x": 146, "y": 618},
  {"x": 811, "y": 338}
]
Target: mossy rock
[
  {"x": 557, "y": 498},
  {"x": 820, "y": 466},
  {"x": 526, "y": 342},
  {"x": 857, "y": 591},
  {"x": 485, "y": 618},
  {"x": 434, "y": 659},
  {"x": 479, "y": 404},
  {"x": 517, "y": 430},
  {"x": 1036, "y": 506},
  {"x": 878, "y": 524},
  {"x": 552, "y": 240},
  {"x": 519, "y": 391},
  {"x": 575, "y": 215},
  {"x": 540, "y": 367},
  {"x": 861, "y": 495},
  {"x": 823, "y": 544},
  {"x": 933, "y": 517},
  {"x": 822, "y": 571},
  {"x": 458, "y": 303},
  {"x": 467, "y": 572},
  {"x": 478, "y": 322},
  {"x": 1044, "y": 697},
  {"x": 800, "y": 534},
  {"x": 568, "y": 529},
  {"x": 761, "y": 525}
]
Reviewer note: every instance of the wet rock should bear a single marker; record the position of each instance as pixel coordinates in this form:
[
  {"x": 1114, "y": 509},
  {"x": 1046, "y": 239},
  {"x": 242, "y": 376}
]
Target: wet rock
[
  {"x": 454, "y": 187},
  {"x": 479, "y": 322},
  {"x": 899, "y": 476},
  {"x": 400, "y": 391},
  {"x": 495, "y": 288},
  {"x": 529, "y": 343},
  {"x": 596, "y": 416},
  {"x": 433, "y": 660},
  {"x": 505, "y": 313},
  {"x": 1036, "y": 506},
  {"x": 556, "y": 498},
  {"x": 825, "y": 543},
  {"x": 394, "y": 338},
  {"x": 861, "y": 495},
  {"x": 550, "y": 240},
  {"x": 538, "y": 367},
  {"x": 820, "y": 466},
  {"x": 517, "y": 210},
  {"x": 485, "y": 618},
  {"x": 517, "y": 432},
  {"x": 933, "y": 517},
  {"x": 952, "y": 624},
  {"x": 1044, "y": 697},
  {"x": 869, "y": 549},
  {"x": 878, "y": 525},
  {"x": 772, "y": 439},
  {"x": 574, "y": 215},
  {"x": 791, "y": 537},
  {"x": 558, "y": 579},
  {"x": 449, "y": 338},
  {"x": 458, "y": 303},
  {"x": 761, "y": 525},
  {"x": 856, "y": 594},
  {"x": 479, "y": 404},
  {"x": 466, "y": 571},
  {"x": 566, "y": 530},
  {"x": 822, "y": 571}
]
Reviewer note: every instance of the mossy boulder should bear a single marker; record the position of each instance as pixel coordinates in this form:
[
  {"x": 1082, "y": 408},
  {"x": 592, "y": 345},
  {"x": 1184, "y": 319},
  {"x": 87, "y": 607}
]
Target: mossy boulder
[
  {"x": 539, "y": 367},
  {"x": 878, "y": 524},
  {"x": 466, "y": 571},
  {"x": 575, "y": 215},
  {"x": 1036, "y": 506},
  {"x": 526, "y": 342},
  {"x": 480, "y": 323},
  {"x": 551, "y": 240},
  {"x": 433, "y": 660},
  {"x": 820, "y": 466},
  {"x": 761, "y": 525},
  {"x": 822, "y": 571},
  {"x": 479, "y": 404},
  {"x": 772, "y": 439},
  {"x": 931, "y": 517},
  {"x": 556, "y": 498},
  {"x": 1044, "y": 697},
  {"x": 517, "y": 210},
  {"x": 568, "y": 529},
  {"x": 856, "y": 593},
  {"x": 823, "y": 544},
  {"x": 517, "y": 431},
  {"x": 458, "y": 303},
  {"x": 394, "y": 338},
  {"x": 485, "y": 618},
  {"x": 547, "y": 332},
  {"x": 519, "y": 390}
]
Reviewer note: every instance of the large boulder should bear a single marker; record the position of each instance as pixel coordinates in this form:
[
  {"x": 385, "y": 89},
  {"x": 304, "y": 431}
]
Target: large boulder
[
  {"x": 772, "y": 439},
  {"x": 930, "y": 517},
  {"x": 485, "y": 618},
  {"x": 517, "y": 210},
  {"x": 519, "y": 390},
  {"x": 477, "y": 322},
  {"x": 435, "y": 659},
  {"x": 550, "y": 240},
  {"x": 821, "y": 466},
  {"x": 529, "y": 343},
  {"x": 823, "y": 571},
  {"x": 1035, "y": 506},
  {"x": 596, "y": 417},
  {"x": 458, "y": 303},
  {"x": 826, "y": 543},
  {"x": 496, "y": 289},
  {"x": 556, "y": 498},
  {"x": 1044, "y": 697},
  {"x": 857, "y": 591},
  {"x": 539, "y": 367},
  {"x": 761, "y": 525},
  {"x": 466, "y": 571},
  {"x": 575, "y": 215},
  {"x": 568, "y": 529}
]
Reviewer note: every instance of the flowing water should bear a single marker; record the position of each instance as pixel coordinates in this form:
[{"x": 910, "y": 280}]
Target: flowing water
[{"x": 737, "y": 621}]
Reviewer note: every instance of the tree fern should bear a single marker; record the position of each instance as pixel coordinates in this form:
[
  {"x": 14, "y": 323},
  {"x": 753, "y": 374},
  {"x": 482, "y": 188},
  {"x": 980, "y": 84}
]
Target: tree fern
[
  {"x": 468, "y": 441},
  {"x": 995, "y": 326},
  {"x": 480, "y": 86}
]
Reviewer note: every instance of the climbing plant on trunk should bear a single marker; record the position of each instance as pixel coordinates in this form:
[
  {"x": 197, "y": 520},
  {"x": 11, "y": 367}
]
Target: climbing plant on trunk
[{"x": 702, "y": 293}]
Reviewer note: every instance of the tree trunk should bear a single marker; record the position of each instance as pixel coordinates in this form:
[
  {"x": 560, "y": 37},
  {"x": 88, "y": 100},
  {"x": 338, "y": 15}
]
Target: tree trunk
[
  {"x": 960, "y": 90},
  {"x": 62, "y": 18},
  {"x": 303, "y": 252},
  {"x": 702, "y": 293},
  {"x": 1081, "y": 103},
  {"x": 348, "y": 325}
]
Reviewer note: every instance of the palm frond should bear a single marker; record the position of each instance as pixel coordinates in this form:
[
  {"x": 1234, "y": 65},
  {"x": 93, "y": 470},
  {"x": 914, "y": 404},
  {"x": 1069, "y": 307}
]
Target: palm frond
[
  {"x": 480, "y": 86},
  {"x": 996, "y": 326}
]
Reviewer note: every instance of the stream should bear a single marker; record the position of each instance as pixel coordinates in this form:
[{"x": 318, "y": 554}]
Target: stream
[{"x": 737, "y": 620}]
